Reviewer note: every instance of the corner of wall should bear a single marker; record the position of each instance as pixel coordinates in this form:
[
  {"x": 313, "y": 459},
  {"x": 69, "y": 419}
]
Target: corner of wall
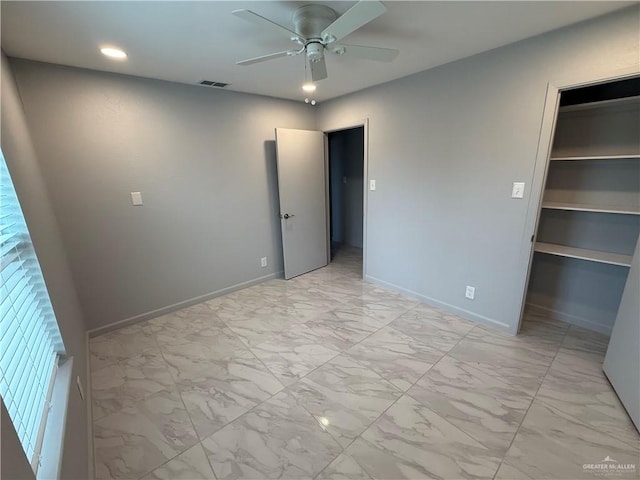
[{"x": 24, "y": 167}]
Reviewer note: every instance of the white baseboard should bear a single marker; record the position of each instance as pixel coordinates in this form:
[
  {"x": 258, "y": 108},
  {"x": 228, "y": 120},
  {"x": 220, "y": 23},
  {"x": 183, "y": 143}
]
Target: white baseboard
[
  {"x": 177, "y": 306},
  {"x": 572, "y": 319},
  {"x": 474, "y": 317}
]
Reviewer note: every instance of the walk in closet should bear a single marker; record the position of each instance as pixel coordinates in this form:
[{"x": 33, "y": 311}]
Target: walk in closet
[{"x": 589, "y": 219}]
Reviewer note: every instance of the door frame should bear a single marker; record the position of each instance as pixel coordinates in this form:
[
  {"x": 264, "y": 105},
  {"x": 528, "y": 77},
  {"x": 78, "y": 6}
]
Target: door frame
[
  {"x": 365, "y": 176},
  {"x": 541, "y": 166}
]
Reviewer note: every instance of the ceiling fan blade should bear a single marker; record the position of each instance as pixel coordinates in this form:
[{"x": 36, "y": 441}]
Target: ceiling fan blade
[
  {"x": 360, "y": 14},
  {"x": 318, "y": 70},
  {"x": 263, "y": 58},
  {"x": 265, "y": 22},
  {"x": 367, "y": 53}
]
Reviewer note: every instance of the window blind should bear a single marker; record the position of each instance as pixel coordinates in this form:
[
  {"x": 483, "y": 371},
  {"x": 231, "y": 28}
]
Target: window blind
[{"x": 30, "y": 340}]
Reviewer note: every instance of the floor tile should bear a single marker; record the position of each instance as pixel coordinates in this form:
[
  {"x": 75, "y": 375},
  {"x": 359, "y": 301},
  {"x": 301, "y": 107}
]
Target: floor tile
[
  {"x": 327, "y": 376},
  {"x": 341, "y": 329},
  {"x": 579, "y": 362},
  {"x": 518, "y": 363},
  {"x": 538, "y": 349},
  {"x": 184, "y": 323},
  {"x": 580, "y": 339},
  {"x": 127, "y": 382},
  {"x": 411, "y": 441},
  {"x": 191, "y": 351},
  {"x": 344, "y": 397},
  {"x": 379, "y": 313},
  {"x": 224, "y": 390},
  {"x": 357, "y": 318},
  {"x": 113, "y": 347},
  {"x": 443, "y": 320},
  {"x": 253, "y": 328},
  {"x": 540, "y": 327},
  {"x": 190, "y": 465},
  {"x": 228, "y": 307},
  {"x": 277, "y": 439},
  {"x": 344, "y": 468},
  {"x": 309, "y": 298},
  {"x": 293, "y": 354},
  {"x": 484, "y": 407},
  {"x": 553, "y": 445},
  {"x": 433, "y": 327},
  {"x": 398, "y": 358},
  {"x": 590, "y": 399},
  {"x": 374, "y": 300},
  {"x": 136, "y": 440}
]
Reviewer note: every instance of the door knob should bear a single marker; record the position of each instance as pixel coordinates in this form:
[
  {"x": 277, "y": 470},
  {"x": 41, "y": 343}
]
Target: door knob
[{"x": 286, "y": 215}]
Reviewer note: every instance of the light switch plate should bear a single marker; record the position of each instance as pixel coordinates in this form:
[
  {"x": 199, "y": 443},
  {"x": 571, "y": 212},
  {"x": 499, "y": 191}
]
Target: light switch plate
[
  {"x": 518, "y": 190},
  {"x": 136, "y": 198},
  {"x": 372, "y": 185}
]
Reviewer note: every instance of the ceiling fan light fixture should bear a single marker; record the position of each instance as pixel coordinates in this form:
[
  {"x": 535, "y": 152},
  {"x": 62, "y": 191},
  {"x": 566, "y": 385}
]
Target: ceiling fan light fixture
[
  {"x": 115, "y": 53},
  {"x": 315, "y": 51},
  {"x": 309, "y": 87}
]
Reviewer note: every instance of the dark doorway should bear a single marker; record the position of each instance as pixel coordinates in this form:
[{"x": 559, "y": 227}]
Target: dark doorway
[{"x": 346, "y": 191}]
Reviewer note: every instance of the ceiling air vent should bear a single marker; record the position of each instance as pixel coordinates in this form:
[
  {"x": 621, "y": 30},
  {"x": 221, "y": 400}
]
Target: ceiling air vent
[{"x": 210, "y": 83}]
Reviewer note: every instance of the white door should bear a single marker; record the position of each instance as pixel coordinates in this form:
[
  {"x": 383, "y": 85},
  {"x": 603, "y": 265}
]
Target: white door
[
  {"x": 622, "y": 363},
  {"x": 303, "y": 211}
]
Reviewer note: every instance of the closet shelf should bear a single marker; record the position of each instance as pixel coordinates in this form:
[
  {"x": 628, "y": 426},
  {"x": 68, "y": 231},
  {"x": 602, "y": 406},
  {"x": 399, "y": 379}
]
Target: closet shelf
[
  {"x": 602, "y": 104},
  {"x": 583, "y": 254},
  {"x": 598, "y": 157},
  {"x": 579, "y": 207}
]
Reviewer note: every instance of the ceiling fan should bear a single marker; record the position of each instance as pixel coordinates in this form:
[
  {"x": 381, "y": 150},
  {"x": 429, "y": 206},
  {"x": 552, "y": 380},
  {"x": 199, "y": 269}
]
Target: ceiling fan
[{"x": 317, "y": 28}]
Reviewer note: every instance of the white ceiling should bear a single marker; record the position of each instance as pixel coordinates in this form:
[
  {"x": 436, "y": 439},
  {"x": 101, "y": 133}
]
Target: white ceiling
[{"x": 192, "y": 41}]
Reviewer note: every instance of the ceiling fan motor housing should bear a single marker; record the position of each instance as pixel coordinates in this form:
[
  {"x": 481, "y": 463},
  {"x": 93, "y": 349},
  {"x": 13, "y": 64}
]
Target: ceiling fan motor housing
[{"x": 311, "y": 20}]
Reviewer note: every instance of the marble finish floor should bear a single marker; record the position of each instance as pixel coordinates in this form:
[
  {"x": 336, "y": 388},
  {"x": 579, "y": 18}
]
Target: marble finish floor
[{"x": 328, "y": 377}]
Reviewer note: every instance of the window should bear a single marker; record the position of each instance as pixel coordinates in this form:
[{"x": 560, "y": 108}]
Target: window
[{"x": 30, "y": 341}]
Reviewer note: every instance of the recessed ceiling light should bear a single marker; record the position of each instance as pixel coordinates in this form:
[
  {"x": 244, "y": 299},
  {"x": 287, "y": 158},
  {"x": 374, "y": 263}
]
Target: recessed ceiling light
[
  {"x": 309, "y": 87},
  {"x": 113, "y": 53}
]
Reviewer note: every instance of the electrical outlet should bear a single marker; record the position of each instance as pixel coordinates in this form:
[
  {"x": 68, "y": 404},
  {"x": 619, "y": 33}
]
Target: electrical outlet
[
  {"x": 372, "y": 185},
  {"x": 263, "y": 262},
  {"x": 470, "y": 292}
]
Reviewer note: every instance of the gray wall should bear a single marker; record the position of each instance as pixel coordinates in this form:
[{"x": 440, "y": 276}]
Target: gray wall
[
  {"x": 204, "y": 161},
  {"x": 445, "y": 146},
  {"x": 34, "y": 198},
  {"x": 586, "y": 294},
  {"x": 13, "y": 462},
  {"x": 346, "y": 153}
]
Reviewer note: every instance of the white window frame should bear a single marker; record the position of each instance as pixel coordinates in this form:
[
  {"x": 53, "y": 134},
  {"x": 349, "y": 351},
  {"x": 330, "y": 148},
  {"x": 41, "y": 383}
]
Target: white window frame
[{"x": 27, "y": 311}]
